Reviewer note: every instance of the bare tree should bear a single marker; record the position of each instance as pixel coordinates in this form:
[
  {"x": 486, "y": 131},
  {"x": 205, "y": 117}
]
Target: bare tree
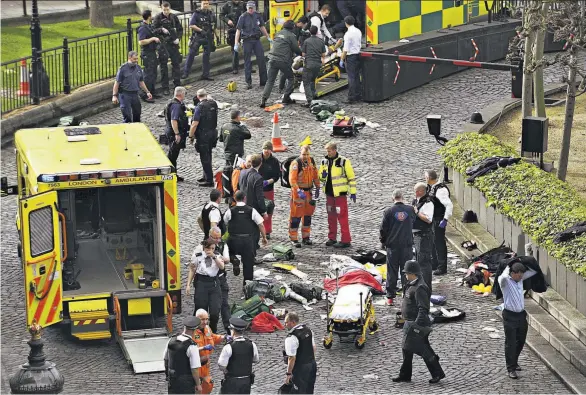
[{"x": 101, "y": 13}]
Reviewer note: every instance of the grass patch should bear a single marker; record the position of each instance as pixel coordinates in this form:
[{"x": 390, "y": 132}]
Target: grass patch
[{"x": 509, "y": 132}]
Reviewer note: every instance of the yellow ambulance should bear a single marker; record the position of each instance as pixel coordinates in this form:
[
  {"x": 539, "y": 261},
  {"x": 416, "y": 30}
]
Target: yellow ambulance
[{"x": 99, "y": 236}]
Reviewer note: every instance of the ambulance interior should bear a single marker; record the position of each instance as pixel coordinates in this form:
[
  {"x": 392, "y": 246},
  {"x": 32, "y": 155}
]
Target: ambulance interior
[{"x": 114, "y": 238}]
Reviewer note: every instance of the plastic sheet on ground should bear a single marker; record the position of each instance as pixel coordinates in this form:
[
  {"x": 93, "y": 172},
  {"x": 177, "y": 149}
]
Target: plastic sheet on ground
[
  {"x": 345, "y": 263},
  {"x": 371, "y": 376},
  {"x": 347, "y": 305},
  {"x": 261, "y": 273}
]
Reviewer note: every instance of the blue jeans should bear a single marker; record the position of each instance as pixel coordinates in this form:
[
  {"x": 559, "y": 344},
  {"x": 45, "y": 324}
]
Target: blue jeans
[
  {"x": 130, "y": 107},
  {"x": 396, "y": 258},
  {"x": 250, "y": 47}
]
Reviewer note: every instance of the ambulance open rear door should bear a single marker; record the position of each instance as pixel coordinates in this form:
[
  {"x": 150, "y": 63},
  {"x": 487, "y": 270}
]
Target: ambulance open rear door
[
  {"x": 283, "y": 10},
  {"x": 41, "y": 227}
]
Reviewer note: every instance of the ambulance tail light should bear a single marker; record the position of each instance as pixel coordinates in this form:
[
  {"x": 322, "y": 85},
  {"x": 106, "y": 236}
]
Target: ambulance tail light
[
  {"x": 73, "y": 177},
  {"x": 89, "y": 176},
  {"x": 63, "y": 177},
  {"x": 107, "y": 174},
  {"x": 146, "y": 172},
  {"x": 48, "y": 178},
  {"x": 125, "y": 173},
  {"x": 165, "y": 170}
]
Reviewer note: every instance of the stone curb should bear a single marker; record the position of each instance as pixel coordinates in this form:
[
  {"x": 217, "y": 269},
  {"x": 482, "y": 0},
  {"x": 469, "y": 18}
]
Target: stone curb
[{"x": 95, "y": 98}]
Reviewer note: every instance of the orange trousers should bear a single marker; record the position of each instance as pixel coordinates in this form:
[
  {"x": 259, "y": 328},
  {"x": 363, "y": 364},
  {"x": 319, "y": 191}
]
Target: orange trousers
[{"x": 300, "y": 209}]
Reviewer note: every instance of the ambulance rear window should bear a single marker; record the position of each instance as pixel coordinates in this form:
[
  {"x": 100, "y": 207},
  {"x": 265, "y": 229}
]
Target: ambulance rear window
[
  {"x": 83, "y": 131},
  {"x": 41, "y": 231}
]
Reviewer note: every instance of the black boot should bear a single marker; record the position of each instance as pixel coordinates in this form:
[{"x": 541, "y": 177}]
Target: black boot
[
  {"x": 437, "y": 373},
  {"x": 287, "y": 100},
  {"x": 263, "y": 103}
]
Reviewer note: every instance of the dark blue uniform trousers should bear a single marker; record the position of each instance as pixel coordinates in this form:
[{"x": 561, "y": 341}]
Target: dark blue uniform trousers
[
  {"x": 250, "y": 47},
  {"x": 396, "y": 258},
  {"x": 193, "y": 52},
  {"x": 353, "y": 70},
  {"x": 130, "y": 106}
]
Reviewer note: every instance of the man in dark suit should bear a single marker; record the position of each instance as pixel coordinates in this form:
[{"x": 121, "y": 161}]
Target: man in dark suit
[{"x": 251, "y": 183}]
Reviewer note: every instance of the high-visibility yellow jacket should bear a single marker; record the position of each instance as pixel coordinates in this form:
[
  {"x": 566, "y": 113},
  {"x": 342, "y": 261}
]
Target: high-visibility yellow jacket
[{"x": 342, "y": 176}]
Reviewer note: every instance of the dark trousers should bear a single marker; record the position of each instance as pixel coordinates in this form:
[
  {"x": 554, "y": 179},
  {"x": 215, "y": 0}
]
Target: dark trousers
[
  {"x": 245, "y": 247},
  {"x": 184, "y": 384},
  {"x": 205, "y": 156},
  {"x": 274, "y": 68},
  {"x": 150, "y": 63},
  {"x": 208, "y": 296},
  {"x": 193, "y": 52},
  {"x": 174, "y": 150},
  {"x": 251, "y": 47},
  {"x": 225, "y": 308},
  {"x": 423, "y": 242},
  {"x": 304, "y": 377},
  {"x": 515, "y": 327},
  {"x": 396, "y": 258},
  {"x": 235, "y": 386},
  {"x": 440, "y": 250},
  {"x": 171, "y": 51},
  {"x": 130, "y": 107},
  {"x": 235, "y": 59},
  {"x": 425, "y": 351},
  {"x": 354, "y": 85},
  {"x": 309, "y": 75}
]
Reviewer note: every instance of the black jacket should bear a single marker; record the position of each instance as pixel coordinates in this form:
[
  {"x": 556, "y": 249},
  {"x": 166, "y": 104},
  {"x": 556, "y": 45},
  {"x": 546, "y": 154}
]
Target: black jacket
[
  {"x": 396, "y": 229},
  {"x": 570, "y": 233},
  {"x": 415, "y": 305},
  {"x": 535, "y": 283},
  {"x": 171, "y": 23},
  {"x": 250, "y": 182},
  {"x": 270, "y": 169},
  {"x": 233, "y": 135},
  {"x": 489, "y": 164}
]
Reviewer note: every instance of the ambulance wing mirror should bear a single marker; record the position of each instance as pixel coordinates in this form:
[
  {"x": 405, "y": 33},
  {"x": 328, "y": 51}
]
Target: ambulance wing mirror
[{"x": 7, "y": 190}]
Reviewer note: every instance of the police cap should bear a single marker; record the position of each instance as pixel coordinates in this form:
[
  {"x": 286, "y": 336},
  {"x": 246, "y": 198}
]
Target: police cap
[
  {"x": 191, "y": 322},
  {"x": 238, "y": 324}
]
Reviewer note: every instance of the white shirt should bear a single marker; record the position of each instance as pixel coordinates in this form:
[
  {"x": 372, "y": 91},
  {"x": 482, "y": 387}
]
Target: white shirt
[
  {"x": 256, "y": 217},
  {"x": 352, "y": 41},
  {"x": 215, "y": 215},
  {"x": 427, "y": 210},
  {"x": 443, "y": 196},
  {"x": 226, "y": 353},
  {"x": 199, "y": 248},
  {"x": 192, "y": 352},
  {"x": 322, "y": 29},
  {"x": 513, "y": 299},
  {"x": 204, "y": 265},
  {"x": 292, "y": 343}
]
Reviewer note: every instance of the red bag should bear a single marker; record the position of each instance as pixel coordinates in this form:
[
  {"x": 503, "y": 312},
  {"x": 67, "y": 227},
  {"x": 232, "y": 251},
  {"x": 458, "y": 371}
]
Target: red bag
[{"x": 265, "y": 323}]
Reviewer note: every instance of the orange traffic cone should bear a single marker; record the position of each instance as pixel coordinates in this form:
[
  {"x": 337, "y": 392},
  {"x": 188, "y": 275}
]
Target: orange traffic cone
[
  {"x": 276, "y": 137},
  {"x": 24, "y": 84}
]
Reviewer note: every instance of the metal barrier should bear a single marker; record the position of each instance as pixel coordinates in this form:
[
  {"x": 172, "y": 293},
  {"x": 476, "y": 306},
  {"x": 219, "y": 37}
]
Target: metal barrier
[{"x": 81, "y": 62}]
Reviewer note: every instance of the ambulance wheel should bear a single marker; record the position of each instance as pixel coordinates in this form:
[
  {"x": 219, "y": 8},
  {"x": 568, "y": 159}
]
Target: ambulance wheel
[
  {"x": 373, "y": 327},
  {"x": 359, "y": 343},
  {"x": 328, "y": 343}
]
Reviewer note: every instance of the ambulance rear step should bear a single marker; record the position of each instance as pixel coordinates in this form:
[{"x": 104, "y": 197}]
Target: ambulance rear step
[{"x": 144, "y": 349}]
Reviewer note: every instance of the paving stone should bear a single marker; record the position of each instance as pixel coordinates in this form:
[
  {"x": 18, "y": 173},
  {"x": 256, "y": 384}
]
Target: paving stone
[{"x": 383, "y": 159}]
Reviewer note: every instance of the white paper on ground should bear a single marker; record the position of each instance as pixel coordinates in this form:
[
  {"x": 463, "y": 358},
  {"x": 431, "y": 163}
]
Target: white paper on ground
[
  {"x": 323, "y": 316},
  {"x": 286, "y": 126},
  {"x": 489, "y": 329},
  {"x": 462, "y": 270},
  {"x": 494, "y": 335},
  {"x": 307, "y": 307},
  {"x": 370, "y": 376},
  {"x": 450, "y": 255}
]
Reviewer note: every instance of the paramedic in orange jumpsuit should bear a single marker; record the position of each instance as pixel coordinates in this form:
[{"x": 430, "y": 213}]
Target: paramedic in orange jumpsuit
[
  {"x": 302, "y": 178},
  {"x": 205, "y": 341},
  {"x": 236, "y": 177}
]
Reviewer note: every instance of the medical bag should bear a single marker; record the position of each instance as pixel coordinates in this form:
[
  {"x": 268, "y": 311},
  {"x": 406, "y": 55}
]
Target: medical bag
[
  {"x": 345, "y": 127},
  {"x": 250, "y": 308}
]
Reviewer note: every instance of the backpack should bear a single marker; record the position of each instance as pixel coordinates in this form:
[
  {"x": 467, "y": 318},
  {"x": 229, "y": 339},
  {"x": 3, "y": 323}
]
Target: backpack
[
  {"x": 309, "y": 292},
  {"x": 286, "y": 165},
  {"x": 264, "y": 289},
  {"x": 493, "y": 258},
  {"x": 375, "y": 257},
  {"x": 318, "y": 105},
  {"x": 283, "y": 253},
  {"x": 249, "y": 309}
]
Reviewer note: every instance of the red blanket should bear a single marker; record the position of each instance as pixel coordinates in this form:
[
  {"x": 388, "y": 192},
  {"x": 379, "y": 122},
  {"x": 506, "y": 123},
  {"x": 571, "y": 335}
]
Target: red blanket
[
  {"x": 266, "y": 323},
  {"x": 353, "y": 277}
]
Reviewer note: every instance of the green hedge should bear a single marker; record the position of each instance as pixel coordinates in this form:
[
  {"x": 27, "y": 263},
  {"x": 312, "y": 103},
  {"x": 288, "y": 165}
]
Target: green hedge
[{"x": 537, "y": 200}]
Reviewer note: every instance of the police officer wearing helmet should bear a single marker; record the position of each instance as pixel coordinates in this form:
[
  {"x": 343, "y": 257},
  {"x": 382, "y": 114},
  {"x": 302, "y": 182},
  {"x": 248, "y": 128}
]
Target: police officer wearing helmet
[
  {"x": 300, "y": 351},
  {"x": 415, "y": 310},
  {"x": 236, "y": 360},
  {"x": 231, "y": 12},
  {"x": 204, "y": 129},
  {"x": 169, "y": 47},
  {"x": 129, "y": 80},
  {"x": 250, "y": 28},
  {"x": 281, "y": 55},
  {"x": 423, "y": 231},
  {"x": 202, "y": 23},
  {"x": 233, "y": 135},
  {"x": 182, "y": 360},
  {"x": 148, "y": 41},
  {"x": 177, "y": 126}
]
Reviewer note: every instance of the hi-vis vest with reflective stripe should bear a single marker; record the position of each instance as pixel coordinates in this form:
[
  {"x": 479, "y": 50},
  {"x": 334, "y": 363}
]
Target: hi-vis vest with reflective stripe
[{"x": 342, "y": 176}]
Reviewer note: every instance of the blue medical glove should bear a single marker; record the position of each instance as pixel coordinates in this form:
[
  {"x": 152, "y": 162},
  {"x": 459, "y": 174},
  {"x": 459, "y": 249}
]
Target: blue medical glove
[
  {"x": 301, "y": 194},
  {"x": 324, "y": 174},
  {"x": 341, "y": 63},
  {"x": 236, "y": 47},
  {"x": 228, "y": 339},
  {"x": 316, "y": 193},
  {"x": 353, "y": 198},
  {"x": 443, "y": 224},
  {"x": 209, "y": 347},
  {"x": 270, "y": 40},
  {"x": 265, "y": 183}
]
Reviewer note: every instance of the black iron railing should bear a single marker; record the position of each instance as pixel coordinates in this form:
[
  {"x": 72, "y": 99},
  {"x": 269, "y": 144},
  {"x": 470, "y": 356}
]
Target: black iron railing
[{"x": 80, "y": 62}]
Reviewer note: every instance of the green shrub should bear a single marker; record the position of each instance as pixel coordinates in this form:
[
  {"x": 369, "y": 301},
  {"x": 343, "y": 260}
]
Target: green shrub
[{"x": 540, "y": 203}]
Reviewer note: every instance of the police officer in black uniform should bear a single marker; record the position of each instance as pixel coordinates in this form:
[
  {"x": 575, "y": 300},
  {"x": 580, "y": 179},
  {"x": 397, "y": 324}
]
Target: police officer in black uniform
[
  {"x": 236, "y": 360},
  {"x": 202, "y": 23},
  {"x": 182, "y": 361},
  {"x": 233, "y": 134},
  {"x": 301, "y": 32},
  {"x": 250, "y": 29},
  {"x": 223, "y": 251},
  {"x": 177, "y": 126},
  {"x": 423, "y": 231},
  {"x": 231, "y": 12},
  {"x": 129, "y": 79},
  {"x": 300, "y": 353},
  {"x": 415, "y": 310},
  {"x": 148, "y": 41},
  {"x": 396, "y": 234},
  {"x": 169, "y": 47},
  {"x": 204, "y": 130},
  {"x": 443, "y": 208}
]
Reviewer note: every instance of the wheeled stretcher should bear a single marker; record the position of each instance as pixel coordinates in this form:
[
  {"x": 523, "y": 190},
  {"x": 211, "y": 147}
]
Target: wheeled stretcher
[
  {"x": 330, "y": 69},
  {"x": 351, "y": 315}
]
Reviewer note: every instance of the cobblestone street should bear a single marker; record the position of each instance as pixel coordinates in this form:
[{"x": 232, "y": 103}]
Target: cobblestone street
[{"x": 393, "y": 156}]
